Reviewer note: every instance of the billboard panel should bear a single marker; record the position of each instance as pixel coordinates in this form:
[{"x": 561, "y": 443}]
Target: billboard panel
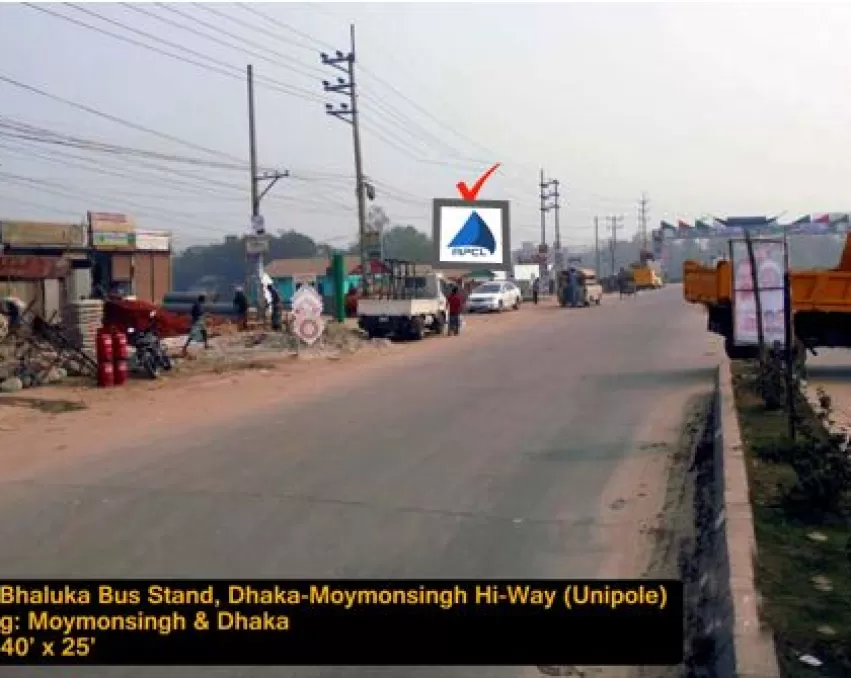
[{"x": 472, "y": 234}]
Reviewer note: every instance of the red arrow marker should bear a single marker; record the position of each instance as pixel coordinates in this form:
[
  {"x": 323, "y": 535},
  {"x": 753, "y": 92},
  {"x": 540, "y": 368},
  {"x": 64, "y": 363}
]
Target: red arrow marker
[{"x": 471, "y": 193}]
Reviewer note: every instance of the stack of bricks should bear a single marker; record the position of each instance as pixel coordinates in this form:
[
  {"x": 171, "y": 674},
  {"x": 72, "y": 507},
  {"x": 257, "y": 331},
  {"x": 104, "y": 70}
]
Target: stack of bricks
[{"x": 81, "y": 321}]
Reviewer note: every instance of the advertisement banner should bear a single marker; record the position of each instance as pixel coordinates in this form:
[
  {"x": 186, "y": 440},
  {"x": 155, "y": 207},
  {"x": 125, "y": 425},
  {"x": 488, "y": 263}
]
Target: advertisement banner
[
  {"x": 107, "y": 240},
  {"x": 256, "y": 244},
  {"x": 33, "y": 268},
  {"x": 153, "y": 241},
  {"x": 472, "y": 233},
  {"x": 770, "y": 260},
  {"x": 42, "y": 234},
  {"x": 111, "y": 222}
]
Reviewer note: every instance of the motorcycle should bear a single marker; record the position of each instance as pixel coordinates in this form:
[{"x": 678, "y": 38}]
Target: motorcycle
[{"x": 151, "y": 355}]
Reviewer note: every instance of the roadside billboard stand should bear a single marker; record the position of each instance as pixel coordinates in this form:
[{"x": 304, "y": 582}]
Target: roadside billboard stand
[{"x": 761, "y": 291}]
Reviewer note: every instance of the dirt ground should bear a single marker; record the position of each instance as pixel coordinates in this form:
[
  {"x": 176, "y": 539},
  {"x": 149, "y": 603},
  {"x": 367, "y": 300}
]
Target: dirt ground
[{"x": 75, "y": 417}]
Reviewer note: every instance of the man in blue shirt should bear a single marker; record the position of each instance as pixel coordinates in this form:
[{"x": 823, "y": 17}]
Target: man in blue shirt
[{"x": 572, "y": 286}]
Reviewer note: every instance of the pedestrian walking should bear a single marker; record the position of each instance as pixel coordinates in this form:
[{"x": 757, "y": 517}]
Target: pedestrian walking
[
  {"x": 277, "y": 307},
  {"x": 455, "y": 302},
  {"x": 198, "y": 330},
  {"x": 240, "y": 303},
  {"x": 536, "y": 290}
]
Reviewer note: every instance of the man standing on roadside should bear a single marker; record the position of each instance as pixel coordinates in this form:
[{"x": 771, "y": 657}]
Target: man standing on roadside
[
  {"x": 536, "y": 289},
  {"x": 198, "y": 331},
  {"x": 277, "y": 307},
  {"x": 240, "y": 303},
  {"x": 456, "y": 306}
]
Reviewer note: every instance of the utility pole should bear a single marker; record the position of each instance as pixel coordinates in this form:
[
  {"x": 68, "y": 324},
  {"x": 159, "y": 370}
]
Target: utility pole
[
  {"x": 345, "y": 63},
  {"x": 543, "y": 187},
  {"x": 597, "y": 246},
  {"x": 254, "y": 258},
  {"x": 546, "y": 206},
  {"x": 614, "y": 225},
  {"x": 642, "y": 220},
  {"x": 556, "y": 207}
]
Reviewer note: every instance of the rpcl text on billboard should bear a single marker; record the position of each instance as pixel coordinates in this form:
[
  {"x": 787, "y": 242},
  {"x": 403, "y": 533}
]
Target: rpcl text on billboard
[{"x": 470, "y": 231}]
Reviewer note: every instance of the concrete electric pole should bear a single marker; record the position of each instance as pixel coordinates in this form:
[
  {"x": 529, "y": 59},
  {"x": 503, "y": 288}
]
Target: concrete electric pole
[
  {"x": 345, "y": 63},
  {"x": 642, "y": 220},
  {"x": 254, "y": 255},
  {"x": 546, "y": 206},
  {"x": 614, "y": 225},
  {"x": 597, "y": 246},
  {"x": 543, "y": 194},
  {"x": 556, "y": 207}
]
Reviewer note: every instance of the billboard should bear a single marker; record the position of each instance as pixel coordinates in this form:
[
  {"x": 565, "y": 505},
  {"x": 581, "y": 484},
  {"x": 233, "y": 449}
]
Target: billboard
[
  {"x": 472, "y": 234},
  {"x": 770, "y": 260},
  {"x": 153, "y": 241},
  {"x": 109, "y": 240},
  {"x": 33, "y": 267},
  {"x": 111, "y": 222},
  {"x": 39, "y": 234}
]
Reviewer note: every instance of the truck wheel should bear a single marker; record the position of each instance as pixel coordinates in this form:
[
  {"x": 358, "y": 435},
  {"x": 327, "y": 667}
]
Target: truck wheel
[
  {"x": 417, "y": 328},
  {"x": 439, "y": 325}
]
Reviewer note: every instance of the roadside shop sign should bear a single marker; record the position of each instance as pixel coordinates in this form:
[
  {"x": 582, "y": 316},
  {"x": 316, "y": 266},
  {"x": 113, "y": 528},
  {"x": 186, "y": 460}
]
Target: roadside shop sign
[
  {"x": 256, "y": 244},
  {"x": 770, "y": 259},
  {"x": 33, "y": 267},
  {"x": 111, "y": 222},
  {"x": 110, "y": 240},
  {"x": 38, "y": 234},
  {"x": 153, "y": 241}
]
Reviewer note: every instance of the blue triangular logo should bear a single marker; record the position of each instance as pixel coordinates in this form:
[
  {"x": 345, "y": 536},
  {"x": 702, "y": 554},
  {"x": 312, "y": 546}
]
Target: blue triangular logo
[{"x": 475, "y": 233}]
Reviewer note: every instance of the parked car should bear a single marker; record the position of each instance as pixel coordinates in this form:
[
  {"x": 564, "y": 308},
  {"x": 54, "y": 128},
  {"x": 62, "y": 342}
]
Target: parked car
[{"x": 494, "y": 297}]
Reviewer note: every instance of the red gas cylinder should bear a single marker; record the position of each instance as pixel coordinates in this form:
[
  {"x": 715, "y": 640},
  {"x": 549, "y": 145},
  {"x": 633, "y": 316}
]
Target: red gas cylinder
[
  {"x": 119, "y": 345},
  {"x": 106, "y": 375},
  {"x": 119, "y": 373},
  {"x": 104, "y": 346}
]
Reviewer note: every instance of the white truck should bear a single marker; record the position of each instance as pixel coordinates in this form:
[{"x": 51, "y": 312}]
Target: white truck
[{"x": 406, "y": 307}]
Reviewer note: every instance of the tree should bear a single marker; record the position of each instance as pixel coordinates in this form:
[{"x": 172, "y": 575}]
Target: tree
[
  {"x": 220, "y": 266},
  {"x": 406, "y": 242},
  {"x": 400, "y": 242},
  {"x": 377, "y": 219}
]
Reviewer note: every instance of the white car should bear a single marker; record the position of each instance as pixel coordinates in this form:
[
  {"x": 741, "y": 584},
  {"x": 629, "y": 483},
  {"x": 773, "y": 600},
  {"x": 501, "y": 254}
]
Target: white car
[{"x": 494, "y": 296}]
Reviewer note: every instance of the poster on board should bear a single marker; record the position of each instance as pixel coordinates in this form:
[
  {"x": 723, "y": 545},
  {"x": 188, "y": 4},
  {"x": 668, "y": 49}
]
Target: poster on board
[{"x": 770, "y": 260}]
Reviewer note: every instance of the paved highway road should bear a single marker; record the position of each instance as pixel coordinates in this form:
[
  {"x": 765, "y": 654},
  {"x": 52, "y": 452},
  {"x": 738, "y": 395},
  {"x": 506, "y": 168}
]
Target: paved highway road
[{"x": 539, "y": 451}]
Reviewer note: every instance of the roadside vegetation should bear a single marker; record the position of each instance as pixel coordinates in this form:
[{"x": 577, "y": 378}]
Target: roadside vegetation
[{"x": 802, "y": 515}]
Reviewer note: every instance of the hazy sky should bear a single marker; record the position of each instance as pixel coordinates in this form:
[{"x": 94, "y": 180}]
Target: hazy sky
[{"x": 724, "y": 109}]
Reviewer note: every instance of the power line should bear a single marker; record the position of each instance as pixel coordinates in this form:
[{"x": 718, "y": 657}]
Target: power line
[
  {"x": 221, "y": 68},
  {"x": 245, "y": 24},
  {"x": 207, "y": 36},
  {"x": 33, "y": 133},
  {"x": 45, "y": 137},
  {"x": 208, "y": 187},
  {"x": 318, "y": 44},
  {"x": 112, "y": 118},
  {"x": 388, "y": 112},
  {"x": 75, "y": 194}
]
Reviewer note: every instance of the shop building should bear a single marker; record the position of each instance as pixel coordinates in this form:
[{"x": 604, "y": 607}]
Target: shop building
[
  {"x": 44, "y": 264},
  {"x": 107, "y": 252},
  {"x": 127, "y": 260}
]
